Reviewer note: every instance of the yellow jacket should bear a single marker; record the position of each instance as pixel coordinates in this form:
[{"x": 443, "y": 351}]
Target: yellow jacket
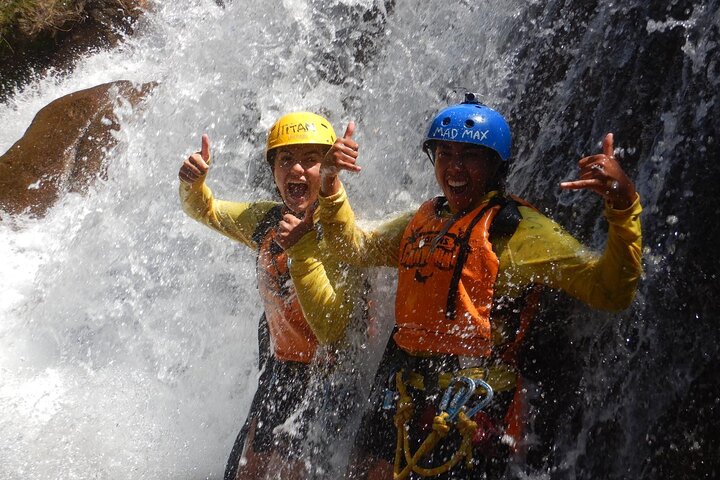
[
  {"x": 326, "y": 288},
  {"x": 539, "y": 252}
]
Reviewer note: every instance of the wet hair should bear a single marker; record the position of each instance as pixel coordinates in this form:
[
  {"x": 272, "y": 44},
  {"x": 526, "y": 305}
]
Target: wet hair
[{"x": 270, "y": 157}]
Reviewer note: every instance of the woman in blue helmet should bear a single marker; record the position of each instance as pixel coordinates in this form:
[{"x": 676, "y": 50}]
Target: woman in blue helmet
[{"x": 451, "y": 403}]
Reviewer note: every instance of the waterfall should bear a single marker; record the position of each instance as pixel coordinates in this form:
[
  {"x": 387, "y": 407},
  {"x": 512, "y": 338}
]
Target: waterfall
[
  {"x": 128, "y": 331},
  {"x": 635, "y": 398}
]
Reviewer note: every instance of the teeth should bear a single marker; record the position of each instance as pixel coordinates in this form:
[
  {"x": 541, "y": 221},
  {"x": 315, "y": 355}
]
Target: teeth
[{"x": 457, "y": 183}]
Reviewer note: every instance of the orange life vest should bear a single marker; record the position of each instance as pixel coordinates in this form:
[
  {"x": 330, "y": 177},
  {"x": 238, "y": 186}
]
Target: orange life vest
[
  {"x": 445, "y": 282},
  {"x": 290, "y": 335}
]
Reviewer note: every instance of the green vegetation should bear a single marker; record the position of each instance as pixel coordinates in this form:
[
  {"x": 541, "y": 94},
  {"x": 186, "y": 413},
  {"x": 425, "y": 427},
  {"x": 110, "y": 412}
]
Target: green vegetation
[
  {"x": 39, "y": 34},
  {"x": 30, "y": 18}
]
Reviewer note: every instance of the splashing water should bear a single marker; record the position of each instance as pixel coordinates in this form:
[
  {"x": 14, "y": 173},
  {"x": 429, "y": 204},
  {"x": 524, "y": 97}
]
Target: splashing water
[{"x": 128, "y": 332}]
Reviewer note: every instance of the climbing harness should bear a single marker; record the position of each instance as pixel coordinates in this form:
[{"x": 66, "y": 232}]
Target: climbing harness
[{"x": 453, "y": 410}]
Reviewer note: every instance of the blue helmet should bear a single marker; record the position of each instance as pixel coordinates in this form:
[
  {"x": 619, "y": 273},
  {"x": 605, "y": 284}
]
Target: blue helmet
[{"x": 471, "y": 122}]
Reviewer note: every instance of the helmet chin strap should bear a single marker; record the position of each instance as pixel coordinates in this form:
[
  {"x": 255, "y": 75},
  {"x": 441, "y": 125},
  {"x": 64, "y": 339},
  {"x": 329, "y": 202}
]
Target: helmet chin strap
[{"x": 430, "y": 153}]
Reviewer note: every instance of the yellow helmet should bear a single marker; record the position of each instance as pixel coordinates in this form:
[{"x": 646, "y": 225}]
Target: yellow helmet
[{"x": 299, "y": 128}]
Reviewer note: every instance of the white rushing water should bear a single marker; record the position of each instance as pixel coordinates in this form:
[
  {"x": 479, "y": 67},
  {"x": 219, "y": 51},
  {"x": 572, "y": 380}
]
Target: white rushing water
[{"x": 127, "y": 331}]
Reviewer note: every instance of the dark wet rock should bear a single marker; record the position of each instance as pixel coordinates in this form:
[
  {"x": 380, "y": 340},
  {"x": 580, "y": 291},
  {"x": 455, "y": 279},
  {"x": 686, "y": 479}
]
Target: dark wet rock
[
  {"x": 685, "y": 441},
  {"x": 64, "y": 148},
  {"x": 637, "y": 399}
]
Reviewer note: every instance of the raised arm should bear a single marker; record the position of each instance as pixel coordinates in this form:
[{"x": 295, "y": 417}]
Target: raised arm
[
  {"x": 542, "y": 252},
  {"x": 344, "y": 238},
  {"x": 237, "y": 220}
]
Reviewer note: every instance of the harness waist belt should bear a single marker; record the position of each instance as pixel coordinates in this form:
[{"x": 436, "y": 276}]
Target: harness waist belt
[{"x": 501, "y": 378}]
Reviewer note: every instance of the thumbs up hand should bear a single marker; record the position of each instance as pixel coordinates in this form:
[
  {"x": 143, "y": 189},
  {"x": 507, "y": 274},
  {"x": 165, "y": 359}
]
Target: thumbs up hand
[
  {"x": 341, "y": 156},
  {"x": 603, "y": 175},
  {"x": 291, "y": 229},
  {"x": 196, "y": 167}
]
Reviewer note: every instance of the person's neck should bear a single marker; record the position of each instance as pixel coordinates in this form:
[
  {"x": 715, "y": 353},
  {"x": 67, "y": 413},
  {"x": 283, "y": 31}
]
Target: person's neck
[{"x": 483, "y": 200}]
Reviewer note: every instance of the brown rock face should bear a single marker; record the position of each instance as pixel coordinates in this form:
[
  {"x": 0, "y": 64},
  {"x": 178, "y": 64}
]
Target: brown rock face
[{"x": 64, "y": 148}]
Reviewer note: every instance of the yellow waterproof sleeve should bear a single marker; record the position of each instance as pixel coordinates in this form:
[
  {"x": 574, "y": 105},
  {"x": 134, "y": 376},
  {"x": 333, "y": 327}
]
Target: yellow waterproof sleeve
[
  {"x": 356, "y": 247},
  {"x": 541, "y": 252},
  {"x": 327, "y": 289},
  {"x": 237, "y": 220}
]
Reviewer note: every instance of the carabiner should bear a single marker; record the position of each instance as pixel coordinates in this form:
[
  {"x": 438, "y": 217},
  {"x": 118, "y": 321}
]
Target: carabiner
[
  {"x": 485, "y": 401},
  {"x": 389, "y": 394},
  {"x": 452, "y": 404}
]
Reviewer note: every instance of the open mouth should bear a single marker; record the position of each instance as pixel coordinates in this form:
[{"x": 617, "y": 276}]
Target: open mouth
[
  {"x": 457, "y": 187},
  {"x": 297, "y": 190}
]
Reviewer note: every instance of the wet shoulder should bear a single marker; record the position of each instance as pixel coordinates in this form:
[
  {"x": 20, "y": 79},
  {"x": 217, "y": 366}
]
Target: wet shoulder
[
  {"x": 262, "y": 214},
  {"x": 241, "y": 220},
  {"x": 540, "y": 235}
]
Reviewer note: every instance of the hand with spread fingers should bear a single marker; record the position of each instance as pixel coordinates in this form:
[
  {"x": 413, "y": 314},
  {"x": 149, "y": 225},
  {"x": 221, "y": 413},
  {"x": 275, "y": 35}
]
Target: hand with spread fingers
[
  {"x": 603, "y": 175},
  {"x": 291, "y": 228},
  {"x": 196, "y": 167},
  {"x": 341, "y": 156}
]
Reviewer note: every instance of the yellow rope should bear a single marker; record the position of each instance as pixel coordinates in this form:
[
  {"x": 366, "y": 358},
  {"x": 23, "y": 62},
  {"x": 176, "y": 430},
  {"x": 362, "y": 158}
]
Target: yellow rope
[
  {"x": 404, "y": 413},
  {"x": 440, "y": 429}
]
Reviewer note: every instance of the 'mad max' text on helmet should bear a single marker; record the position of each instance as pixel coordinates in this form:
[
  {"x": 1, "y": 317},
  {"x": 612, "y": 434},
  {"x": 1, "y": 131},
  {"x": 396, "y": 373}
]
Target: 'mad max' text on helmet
[{"x": 470, "y": 122}]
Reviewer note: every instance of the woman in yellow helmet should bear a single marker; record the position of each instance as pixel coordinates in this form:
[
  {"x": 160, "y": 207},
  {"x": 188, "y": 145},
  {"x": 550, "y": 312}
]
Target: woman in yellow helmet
[{"x": 288, "y": 339}]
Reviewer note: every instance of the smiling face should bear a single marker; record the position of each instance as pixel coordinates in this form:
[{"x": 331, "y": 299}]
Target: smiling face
[
  {"x": 296, "y": 169},
  {"x": 463, "y": 171}
]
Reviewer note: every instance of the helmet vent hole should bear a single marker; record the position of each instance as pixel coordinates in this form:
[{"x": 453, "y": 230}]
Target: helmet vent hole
[
  {"x": 446, "y": 121},
  {"x": 469, "y": 123}
]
